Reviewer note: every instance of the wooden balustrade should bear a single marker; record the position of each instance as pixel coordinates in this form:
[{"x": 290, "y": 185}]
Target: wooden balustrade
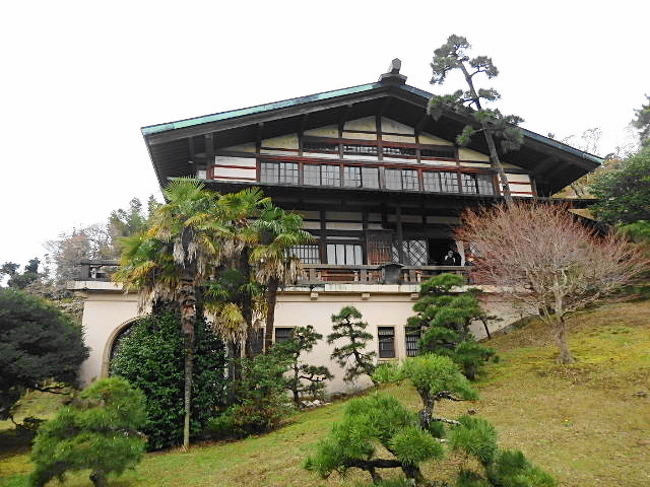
[{"x": 313, "y": 273}]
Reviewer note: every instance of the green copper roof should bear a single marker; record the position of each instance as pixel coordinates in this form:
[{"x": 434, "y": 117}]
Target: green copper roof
[{"x": 152, "y": 129}]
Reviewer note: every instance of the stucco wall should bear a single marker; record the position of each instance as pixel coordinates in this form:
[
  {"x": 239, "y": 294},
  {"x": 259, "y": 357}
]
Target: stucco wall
[{"x": 107, "y": 311}]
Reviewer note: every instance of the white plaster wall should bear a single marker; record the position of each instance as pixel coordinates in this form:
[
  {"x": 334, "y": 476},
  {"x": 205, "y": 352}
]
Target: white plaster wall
[
  {"x": 106, "y": 312},
  {"x": 103, "y": 316}
]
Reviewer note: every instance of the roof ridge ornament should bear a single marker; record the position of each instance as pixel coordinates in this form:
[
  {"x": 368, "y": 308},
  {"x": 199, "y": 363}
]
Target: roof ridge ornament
[{"x": 393, "y": 76}]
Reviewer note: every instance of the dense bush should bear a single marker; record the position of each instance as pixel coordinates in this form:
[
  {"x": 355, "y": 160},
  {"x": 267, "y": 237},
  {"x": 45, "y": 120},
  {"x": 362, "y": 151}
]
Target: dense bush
[
  {"x": 98, "y": 431},
  {"x": 151, "y": 357},
  {"x": 260, "y": 399},
  {"x": 38, "y": 346}
]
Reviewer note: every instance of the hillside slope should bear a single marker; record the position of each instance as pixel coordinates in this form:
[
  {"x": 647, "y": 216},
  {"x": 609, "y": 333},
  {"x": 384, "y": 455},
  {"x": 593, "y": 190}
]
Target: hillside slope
[{"x": 588, "y": 424}]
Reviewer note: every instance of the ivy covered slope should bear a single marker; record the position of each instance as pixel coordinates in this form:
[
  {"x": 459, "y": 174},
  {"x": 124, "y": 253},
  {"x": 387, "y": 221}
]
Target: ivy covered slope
[{"x": 585, "y": 423}]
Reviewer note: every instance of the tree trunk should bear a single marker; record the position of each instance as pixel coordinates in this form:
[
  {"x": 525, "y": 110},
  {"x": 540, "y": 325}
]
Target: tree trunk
[
  {"x": 271, "y": 299},
  {"x": 98, "y": 478},
  {"x": 559, "y": 334},
  {"x": 494, "y": 154},
  {"x": 187, "y": 302}
]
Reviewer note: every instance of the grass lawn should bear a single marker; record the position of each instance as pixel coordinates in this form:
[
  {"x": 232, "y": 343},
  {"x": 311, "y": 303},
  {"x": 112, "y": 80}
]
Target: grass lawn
[{"x": 588, "y": 424}]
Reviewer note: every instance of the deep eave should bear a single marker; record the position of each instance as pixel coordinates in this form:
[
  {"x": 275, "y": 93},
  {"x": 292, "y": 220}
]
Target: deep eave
[{"x": 553, "y": 164}]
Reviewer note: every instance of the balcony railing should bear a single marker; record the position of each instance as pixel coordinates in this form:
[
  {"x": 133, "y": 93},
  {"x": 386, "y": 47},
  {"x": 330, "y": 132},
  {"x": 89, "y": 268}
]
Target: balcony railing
[
  {"x": 311, "y": 274},
  {"x": 372, "y": 274}
]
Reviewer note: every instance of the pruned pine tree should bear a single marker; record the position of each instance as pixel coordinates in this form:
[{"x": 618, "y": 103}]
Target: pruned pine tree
[
  {"x": 450, "y": 56},
  {"x": 347, "y": 325},
  {"x": 98, "y": 431},
  {"x": 378, "y": 419},
  {"x": 305, "y": 379},
  {"x": 442, "y": 320},
  {"x": 484, "y": 464}
]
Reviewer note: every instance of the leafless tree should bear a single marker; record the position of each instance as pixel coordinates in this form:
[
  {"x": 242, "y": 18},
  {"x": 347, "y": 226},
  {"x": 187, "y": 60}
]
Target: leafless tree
[{"x": 546, "y": 261}]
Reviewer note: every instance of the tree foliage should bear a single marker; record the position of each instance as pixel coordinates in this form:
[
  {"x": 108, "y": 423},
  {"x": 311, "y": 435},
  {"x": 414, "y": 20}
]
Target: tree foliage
[
  {"x": 258, "y": 397},
  {"x": 369, "y": 422},
  {"x": 484, "y": 464},
  {"x": 305, "y": 379},
  {"x": 151, "y": 357},
  {"x": 625, "y": 192},
  {"x": 491, "y": 122},
  {"x": 443, "y": 316},
  {"x": 40, "y": 347},
  {"x": 352, "y": 356},
  {"x": 642, "y": 122},
  {"x": 547, "y": 262},
  {"x": 98, "y": 431}
]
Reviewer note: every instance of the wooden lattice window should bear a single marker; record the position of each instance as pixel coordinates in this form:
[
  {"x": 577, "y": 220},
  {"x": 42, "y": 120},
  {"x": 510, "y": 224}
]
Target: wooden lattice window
[
  {"x": 311, "y": 146},
  {"x": 279, "y": 172},
  {"x": 352, "y": 176},
  {"x": 386, "y": 341},
  {"x": 365, "y": 150},
  {"x": 370, "y": 177},
  {"x": 308, "y": 253}
]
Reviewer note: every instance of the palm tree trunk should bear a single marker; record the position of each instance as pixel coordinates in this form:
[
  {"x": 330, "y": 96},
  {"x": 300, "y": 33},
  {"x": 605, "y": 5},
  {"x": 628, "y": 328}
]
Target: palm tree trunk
[
  {"x": 271, "y": 299},
  {"x": 187, "y": 302}
]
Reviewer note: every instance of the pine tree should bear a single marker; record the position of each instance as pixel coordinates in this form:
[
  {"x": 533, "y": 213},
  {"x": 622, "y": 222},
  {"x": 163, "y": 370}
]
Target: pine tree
[
  {"x": 348, "y": 325},
  {"x": 452, "y": 55},
  {"x": 443, "y": 319},
  {"x": 303, "y": 339}
]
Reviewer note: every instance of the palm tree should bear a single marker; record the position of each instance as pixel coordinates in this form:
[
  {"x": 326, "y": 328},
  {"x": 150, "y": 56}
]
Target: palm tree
[
  {"x": 169, "y": 262},
  {"x": 277, "y": 231}
]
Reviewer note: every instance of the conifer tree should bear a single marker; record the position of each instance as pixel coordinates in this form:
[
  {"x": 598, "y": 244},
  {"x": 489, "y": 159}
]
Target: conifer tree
[
  {"x": 303, "y": 339},
  {"x": 352, "y": 355},
  {"x": 98, "y": 431},
  {"x": 442, "y": 321},
  {"x": 450, "y": 56}
]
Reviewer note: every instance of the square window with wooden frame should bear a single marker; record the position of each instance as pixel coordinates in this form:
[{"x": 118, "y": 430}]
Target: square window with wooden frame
[
  {"x": 283, "y": 335},
  {"x": 386, "y": 341}
]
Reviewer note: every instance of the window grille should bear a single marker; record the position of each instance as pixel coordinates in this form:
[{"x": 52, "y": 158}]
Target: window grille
[
  {"x": 393, "y": 178},
  {"x": 330, "y": 175},
  {"x": 398, "y": 151},
  {"x": 412, "y": 343},
  {"x": 446, "y": 152},
  {"x": 415, "y": 252},
  {"x": 431, "y": 181},
  {"x": 279, "y": 172},
  {"x": 485, "y": 184},
  {"x": 352, "y": 176},
  {"x": 386, "y": 341},
  {"x": 311, "y": 146},
  {"x": 344, "y": 254},
  {"x": 370, "y": 177},
  {"x": 308, "y": 254},
  {"x": 311, "y": 174},
  {"x": 283, "y": 335},
  {"x": 410, "y": 180},
  {"x": 365, "y": 150},
  {"x": 448, "y": 182},
  {"x": 469, "y": 183}
]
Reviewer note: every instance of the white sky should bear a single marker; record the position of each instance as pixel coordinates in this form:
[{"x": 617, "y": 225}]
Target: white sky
[{"x": 79, "y": 79}]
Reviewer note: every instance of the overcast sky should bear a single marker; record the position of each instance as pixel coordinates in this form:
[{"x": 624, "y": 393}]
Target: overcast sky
[{"x": 79, "y": 79}]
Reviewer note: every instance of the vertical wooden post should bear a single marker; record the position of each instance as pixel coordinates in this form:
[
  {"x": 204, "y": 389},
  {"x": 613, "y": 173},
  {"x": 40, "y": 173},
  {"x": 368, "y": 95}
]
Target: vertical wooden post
[
  {"x": 400, "y": 234},
  {"x": 323, "y": 238}
]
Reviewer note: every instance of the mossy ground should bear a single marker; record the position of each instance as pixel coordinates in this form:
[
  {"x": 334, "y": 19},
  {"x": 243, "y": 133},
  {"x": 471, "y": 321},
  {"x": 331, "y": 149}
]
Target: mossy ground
[{"x": 587, "y": 423}]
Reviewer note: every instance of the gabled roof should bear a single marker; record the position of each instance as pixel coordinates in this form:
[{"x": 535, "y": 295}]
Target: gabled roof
[{"x": 553, "y": 163}]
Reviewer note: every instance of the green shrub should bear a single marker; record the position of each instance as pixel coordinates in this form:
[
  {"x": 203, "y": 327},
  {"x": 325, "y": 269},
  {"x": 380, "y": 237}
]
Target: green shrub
[
  {"x": 260, "y": 400},
  {"x": 151, "y": 357},
  {"x": 39, "y": 346},
  {"x": 98, "y": 431}
]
